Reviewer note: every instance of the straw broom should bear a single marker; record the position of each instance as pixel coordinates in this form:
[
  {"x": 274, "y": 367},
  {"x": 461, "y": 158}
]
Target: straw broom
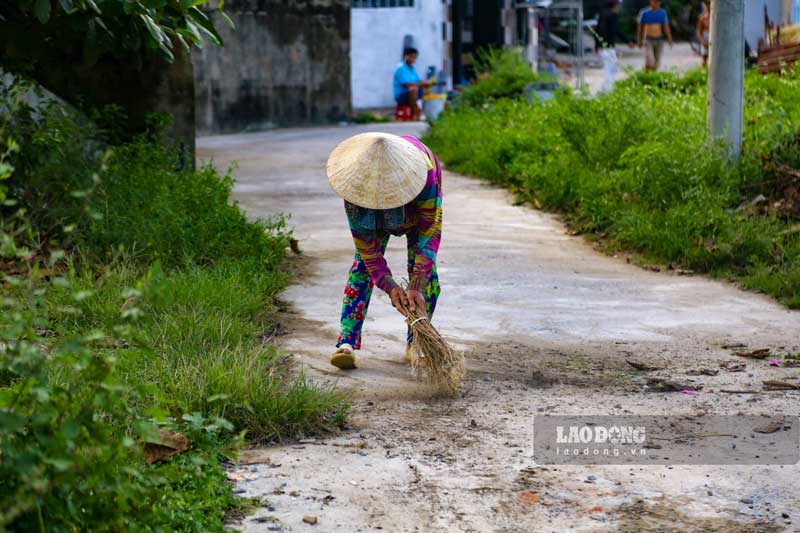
[{"x": 433, "y": 359}]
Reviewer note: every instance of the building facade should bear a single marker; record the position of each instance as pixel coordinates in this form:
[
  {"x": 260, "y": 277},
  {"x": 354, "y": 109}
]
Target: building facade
[
  {"x": 446, "y": 32},
  {"x": 377, "y": 32}
]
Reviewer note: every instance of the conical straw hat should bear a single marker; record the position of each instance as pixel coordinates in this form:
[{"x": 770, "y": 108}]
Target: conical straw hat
[{"x": 377, "y": 170}]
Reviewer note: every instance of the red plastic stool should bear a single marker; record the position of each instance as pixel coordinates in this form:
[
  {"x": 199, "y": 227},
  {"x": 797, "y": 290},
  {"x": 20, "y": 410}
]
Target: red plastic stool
[{"x": 403, "y": 113}]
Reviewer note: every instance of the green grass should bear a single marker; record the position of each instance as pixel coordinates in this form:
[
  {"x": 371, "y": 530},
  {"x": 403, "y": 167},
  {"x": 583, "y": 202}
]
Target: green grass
[
  {"x": 633, "y": 167},
  {"x": 135, "y": 295},
  {"x": 203, "y": 343}
]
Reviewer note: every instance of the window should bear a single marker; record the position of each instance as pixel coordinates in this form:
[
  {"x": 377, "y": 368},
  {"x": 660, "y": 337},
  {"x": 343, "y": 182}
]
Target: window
[{"x": 383, "y": 3}]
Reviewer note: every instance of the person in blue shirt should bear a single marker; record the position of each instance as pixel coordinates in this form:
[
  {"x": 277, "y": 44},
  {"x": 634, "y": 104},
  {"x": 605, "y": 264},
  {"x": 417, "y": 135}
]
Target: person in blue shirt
[
  {"x": 407, "y": 83},
  {"x": 652, "y": 31}
]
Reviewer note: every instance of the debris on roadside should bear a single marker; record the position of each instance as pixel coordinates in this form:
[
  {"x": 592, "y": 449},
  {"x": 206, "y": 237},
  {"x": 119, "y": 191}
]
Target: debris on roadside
[
  {"x": 666, "y": 385},
  {"x": 529, "y": 498},
  {"x": 644, "y": 367},
  {"x": 733, "y": 345},
  {"x": 775, "y": 384},
  {"x": 310, "y": 519},
  {"x": 770, "y": 427},
  {"x": 702, "y": 372},
  {"x": 761, "y": 353},
  {"x": 169, "y": 443},
  {"x": 733, "y": 366}
]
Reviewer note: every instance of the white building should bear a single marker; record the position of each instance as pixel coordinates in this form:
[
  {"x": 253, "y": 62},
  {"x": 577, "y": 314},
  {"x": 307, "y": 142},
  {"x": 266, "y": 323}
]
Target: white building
[
  {"x": 377, "y": 29},
  {"x": 439, "y": 29}
]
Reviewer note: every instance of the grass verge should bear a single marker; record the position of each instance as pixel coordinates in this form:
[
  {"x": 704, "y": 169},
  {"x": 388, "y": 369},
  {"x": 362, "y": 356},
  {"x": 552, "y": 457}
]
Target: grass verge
[
  {"x": 633, "y": 168},
  {"x": 137, "y": 301}
]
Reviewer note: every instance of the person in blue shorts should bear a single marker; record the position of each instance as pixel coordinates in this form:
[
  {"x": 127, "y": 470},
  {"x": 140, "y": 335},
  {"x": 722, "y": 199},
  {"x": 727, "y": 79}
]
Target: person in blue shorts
[
  {"x": 407, "y": 83},
  {"x": 652, "y": 31}
]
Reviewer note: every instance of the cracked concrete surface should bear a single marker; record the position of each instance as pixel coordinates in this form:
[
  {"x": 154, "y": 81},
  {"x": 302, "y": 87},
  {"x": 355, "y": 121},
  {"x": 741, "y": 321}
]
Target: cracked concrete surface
[{"x": 547, "y": 323}]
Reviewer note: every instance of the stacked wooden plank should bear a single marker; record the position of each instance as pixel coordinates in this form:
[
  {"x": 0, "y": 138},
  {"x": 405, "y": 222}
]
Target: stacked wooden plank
[{"x": 777, "y": 57}]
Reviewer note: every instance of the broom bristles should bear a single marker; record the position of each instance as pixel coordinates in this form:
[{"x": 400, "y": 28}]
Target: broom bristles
[{"x": 434, "y": 360}]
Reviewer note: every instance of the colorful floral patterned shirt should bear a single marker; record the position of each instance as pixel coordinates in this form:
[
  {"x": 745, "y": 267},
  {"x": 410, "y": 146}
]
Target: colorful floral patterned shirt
[{"x": 423, "y": 214}]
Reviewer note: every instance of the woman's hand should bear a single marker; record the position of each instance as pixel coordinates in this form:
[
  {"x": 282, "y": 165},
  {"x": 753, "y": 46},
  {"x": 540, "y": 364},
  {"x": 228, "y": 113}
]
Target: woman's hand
[
  {"x": 399, "y": 300},
  {"x": 416, "y": 302}
]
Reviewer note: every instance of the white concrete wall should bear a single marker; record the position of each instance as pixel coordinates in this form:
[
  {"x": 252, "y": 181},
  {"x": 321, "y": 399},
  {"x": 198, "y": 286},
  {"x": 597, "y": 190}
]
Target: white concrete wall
[
  {"x": 754, "y": 18},
  {"x": 376, "y": 47}
]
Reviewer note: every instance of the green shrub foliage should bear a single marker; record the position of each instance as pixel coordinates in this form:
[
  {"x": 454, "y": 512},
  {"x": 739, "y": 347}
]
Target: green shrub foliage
[
  {"x": 134, "y": 296},
  {"x": 634, "y": 168}
]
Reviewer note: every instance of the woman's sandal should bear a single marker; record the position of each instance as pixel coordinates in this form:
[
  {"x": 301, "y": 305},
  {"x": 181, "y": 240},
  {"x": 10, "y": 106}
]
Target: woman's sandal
[{"x": 344, "y": 357}]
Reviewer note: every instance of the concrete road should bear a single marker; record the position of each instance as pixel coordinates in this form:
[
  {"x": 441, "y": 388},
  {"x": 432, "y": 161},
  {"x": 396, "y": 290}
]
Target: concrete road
[{"x": 547, "y": 323}]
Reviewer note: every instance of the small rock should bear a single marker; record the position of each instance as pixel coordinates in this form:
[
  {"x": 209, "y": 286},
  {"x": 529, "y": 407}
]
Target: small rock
[
  {"x": 309, "y": 519},
  {"x": 747, "y": 501}
]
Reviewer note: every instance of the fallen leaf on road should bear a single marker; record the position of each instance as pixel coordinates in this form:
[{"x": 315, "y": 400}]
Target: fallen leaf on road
[
  {"x": 770, "y": 427},
  {"x": 529, "y": 498},
  {"x": 641, "y": 366},
  {"x": 170, "y": 443},
  {"x": 774, "y": 384},
  {"x": 733, "y": 345},
  {"x": 308, "y": 519},
  {"x": 596, "y": 509},
  {"x": 242, "y": 475},
  {"x": 761, "y": 353},
  {"x": 703, "y": 372},
  {"x": 690, "y": 392},
  {"x": 774, "y": 362},
  {"x": 733, "y": 366},
  {"x": 666, "y": 385}
]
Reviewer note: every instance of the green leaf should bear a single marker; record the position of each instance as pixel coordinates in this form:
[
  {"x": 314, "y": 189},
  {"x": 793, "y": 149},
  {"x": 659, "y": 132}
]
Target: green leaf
[
  {"x": 5, "y": 171},
  {"x": 82, "y": 295},
  {"x": 71, "y": 428},
  {"x": 205, "y": 24},
  {"x": 59, "y": 464},
  {"x": 66, "y": 5},
  {"x": 227, "y": 19},
  {"x": 159, "y": 36},
  {"x": 192, "y": 32},
  {"x": 94, "y": 7},
  {"x": 41, "y": 10},
  {"x": 10, "y": 421}
]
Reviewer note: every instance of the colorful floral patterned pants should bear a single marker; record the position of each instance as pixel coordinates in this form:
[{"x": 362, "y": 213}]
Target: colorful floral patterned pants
[{"x": 358, "y": 291}]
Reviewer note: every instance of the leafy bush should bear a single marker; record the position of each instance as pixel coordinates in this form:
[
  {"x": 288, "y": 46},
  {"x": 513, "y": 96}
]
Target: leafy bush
[
  {"x": 147, "y": 206},
  {"x": 133, "y": 296},
  {"x": 633, "y": 167},
  {"x": 501, "y": 74},
  {"x": 70, "y": 443},
  {"x": 131, "y": 197}
]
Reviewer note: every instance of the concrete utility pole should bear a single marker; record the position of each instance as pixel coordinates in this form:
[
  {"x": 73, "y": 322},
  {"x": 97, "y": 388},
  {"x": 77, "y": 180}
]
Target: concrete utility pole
[{"x": 726, "y": 74}]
